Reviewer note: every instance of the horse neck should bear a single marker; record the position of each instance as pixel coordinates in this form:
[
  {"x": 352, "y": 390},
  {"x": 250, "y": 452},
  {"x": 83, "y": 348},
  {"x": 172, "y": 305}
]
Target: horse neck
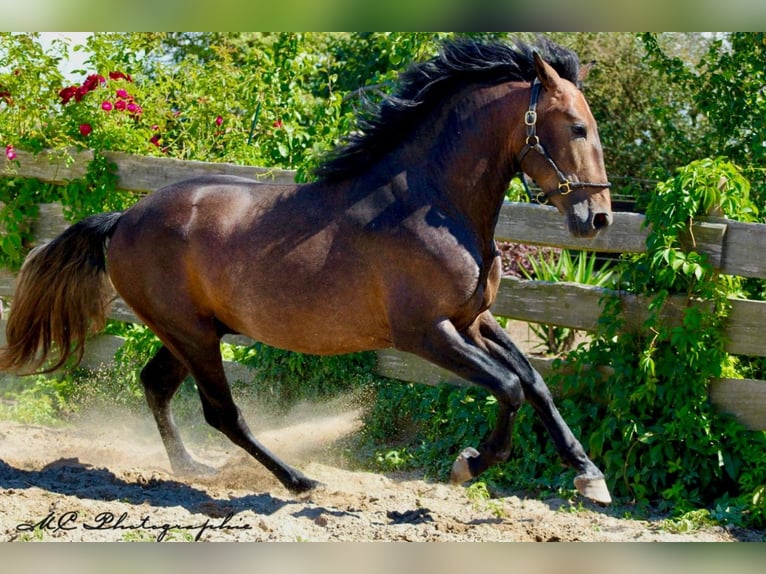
[{"x": 473, "y": 159}]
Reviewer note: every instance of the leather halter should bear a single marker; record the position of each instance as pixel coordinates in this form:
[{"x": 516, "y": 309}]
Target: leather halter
[{"x": 566, "y": 186}]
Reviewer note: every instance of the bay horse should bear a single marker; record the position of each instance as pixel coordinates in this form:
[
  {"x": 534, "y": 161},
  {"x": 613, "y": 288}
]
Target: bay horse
[{"x": 390, "y": 246}]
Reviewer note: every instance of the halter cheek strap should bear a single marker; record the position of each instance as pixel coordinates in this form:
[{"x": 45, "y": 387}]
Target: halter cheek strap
[{"x": 532, "y": 142}]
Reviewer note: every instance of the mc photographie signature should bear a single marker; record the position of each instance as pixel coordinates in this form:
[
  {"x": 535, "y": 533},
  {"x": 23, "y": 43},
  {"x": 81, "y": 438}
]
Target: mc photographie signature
[{"x": 72, "y": 520}]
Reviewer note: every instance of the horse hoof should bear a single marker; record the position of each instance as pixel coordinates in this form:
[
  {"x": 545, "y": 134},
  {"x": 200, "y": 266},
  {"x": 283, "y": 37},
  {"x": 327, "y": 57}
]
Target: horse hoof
[
  {"x": 315, "y": 488},
  {"x": 594, "y": 488},
  {"x": 305, "y": 486},
  {"x": 461, "y": 470}
]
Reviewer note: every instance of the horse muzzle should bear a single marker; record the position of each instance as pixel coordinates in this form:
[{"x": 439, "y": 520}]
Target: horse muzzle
[{"x": 586, "y": 220}]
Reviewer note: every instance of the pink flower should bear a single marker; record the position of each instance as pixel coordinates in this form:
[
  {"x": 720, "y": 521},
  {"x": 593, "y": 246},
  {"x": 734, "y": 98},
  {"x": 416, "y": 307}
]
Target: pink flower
[
  {"x": 120, "y": 105},
  {"x": 134, "y": 108},
  {"x": 107, "y": 106},
  {"x": 277, "y": 124},
  {"x": 218, "y": 121},
  {"x": 86, "y": 129},
  {"x": 122, "y": 94},
  {"x": 155, "y": 140},
  {"x": 10, "y": 153},
  {"x": 155, "y": 127}
]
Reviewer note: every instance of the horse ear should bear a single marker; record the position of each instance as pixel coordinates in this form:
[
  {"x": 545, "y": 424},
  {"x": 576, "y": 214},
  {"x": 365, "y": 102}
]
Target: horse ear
[
  {"x": 548, "y": 76},
  {"x": 585, "y": 70}
]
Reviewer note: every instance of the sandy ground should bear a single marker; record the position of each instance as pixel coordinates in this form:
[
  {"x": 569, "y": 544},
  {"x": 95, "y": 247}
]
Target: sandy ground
[
  {"x": 109, "y": 480},
  {"x": 106, "y": 478}
]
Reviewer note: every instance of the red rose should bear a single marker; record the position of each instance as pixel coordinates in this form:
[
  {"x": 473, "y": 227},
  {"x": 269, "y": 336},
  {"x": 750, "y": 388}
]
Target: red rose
[
  {"x": 92, "y": 82},
  {"x": 120, "y": 76},
  {"x": 67, "y": 94}
]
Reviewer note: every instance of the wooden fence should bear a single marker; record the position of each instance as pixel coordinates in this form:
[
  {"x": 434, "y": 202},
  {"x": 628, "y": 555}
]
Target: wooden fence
[{"x": 735, "y": 248}]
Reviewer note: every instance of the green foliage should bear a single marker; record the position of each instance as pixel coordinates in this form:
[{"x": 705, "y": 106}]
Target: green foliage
[
  {"x": 727, "y": 106},
  {"x": 562, "y": 266},
  {"x": 19, "y": 200},
  {"x": 654, "y": 428},
  {"x": 33, "y": 400},
  {"x": 284, "y": 378}
]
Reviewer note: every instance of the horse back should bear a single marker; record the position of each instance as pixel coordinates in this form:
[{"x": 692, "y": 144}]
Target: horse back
[{"x": 295, "y": 266}]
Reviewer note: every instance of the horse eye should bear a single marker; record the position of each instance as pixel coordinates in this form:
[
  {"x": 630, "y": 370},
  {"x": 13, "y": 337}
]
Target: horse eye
[{"x": 579, "y": 131}]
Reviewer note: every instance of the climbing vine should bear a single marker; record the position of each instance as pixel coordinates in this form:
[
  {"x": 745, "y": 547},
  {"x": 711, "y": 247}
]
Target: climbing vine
[{"x": 654, "y": 428}]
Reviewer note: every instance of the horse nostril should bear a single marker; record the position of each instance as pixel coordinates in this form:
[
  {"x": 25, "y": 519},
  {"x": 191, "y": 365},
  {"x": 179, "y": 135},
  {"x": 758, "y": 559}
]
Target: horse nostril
[{"x": 601, "y": 220}]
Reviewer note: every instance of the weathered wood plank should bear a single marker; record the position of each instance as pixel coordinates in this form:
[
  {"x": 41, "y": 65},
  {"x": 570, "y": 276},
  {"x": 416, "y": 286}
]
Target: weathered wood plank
[
  {"x": 55, "y": 167},
  {"x": 579, "y": 307},
  {"x": 575, "y": 305},
  {"x": 544, "y": 225},
  {"x": 50, "y": 223},
  {"x": 147, "y": 174},
  {"x": 743, "y": 398},
  {"x": 141, "y": 174},
  {"x": 707, "y": 236},
  {"x": 564, "y": 304},
  {"x": 403, "y": 366},
  {"x": 744, "y": 249},
  {"x": 744, "y": 328}
]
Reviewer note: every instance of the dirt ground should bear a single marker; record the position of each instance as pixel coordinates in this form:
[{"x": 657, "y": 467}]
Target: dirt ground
[{"x": 109, "y": 480}]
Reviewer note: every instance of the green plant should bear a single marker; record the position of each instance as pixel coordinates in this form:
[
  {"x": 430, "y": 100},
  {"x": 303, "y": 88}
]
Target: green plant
[
  {"x": 654, "y": 428},
  {"x": 727, "y": 105},
  {"x": 552, "y": 266},
  {"x": 393, "y": 459},
  {"x": 478, "y": 493},
  {"x": 689, "y": 522},
  {"x": 284, "y": 378}
]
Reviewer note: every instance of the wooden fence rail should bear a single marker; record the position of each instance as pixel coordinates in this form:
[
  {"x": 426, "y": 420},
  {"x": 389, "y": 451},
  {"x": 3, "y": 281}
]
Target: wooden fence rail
[{"x": 735, "y": 248}]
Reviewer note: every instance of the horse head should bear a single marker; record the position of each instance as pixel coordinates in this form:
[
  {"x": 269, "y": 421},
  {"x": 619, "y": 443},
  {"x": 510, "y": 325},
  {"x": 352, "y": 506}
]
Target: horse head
[{"x": 562, "y": 152}]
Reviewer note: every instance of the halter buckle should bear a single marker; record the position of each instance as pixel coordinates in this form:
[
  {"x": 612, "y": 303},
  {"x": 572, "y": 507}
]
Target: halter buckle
[
  {"x": 532, "y": 141},
  {"x": 565, "y": 187},
  {"x": 541, "y": 198},
  {"x": 530, "y": 118}
]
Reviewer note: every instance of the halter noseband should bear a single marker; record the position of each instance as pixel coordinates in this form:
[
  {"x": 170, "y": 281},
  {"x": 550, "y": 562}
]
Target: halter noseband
[{"x": 532, "y": 142}]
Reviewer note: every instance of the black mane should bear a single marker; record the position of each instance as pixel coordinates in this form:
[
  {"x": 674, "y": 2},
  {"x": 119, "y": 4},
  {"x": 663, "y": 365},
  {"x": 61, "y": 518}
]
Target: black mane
[{"x": 460, "y": 62}]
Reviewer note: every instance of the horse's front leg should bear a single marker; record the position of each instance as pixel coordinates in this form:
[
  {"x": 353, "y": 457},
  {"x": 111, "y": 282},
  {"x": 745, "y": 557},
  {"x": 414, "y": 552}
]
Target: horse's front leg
[
  {"x": 589, "y": 480},
  {"x": 466, "y": 354}
]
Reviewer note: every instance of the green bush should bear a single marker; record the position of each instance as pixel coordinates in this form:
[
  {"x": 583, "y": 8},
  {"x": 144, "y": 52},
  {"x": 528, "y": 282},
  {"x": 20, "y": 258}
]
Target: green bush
[{"x": 281, "y": 379}]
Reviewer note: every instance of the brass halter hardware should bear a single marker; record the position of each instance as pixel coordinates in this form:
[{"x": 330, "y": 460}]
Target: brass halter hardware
[{"x": 532, "y": 142}]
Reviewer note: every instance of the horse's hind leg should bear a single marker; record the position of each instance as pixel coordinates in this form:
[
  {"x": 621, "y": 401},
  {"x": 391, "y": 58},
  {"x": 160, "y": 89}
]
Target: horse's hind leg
[
  {"x": 206, "y": 366},
  {"x": 161, "y": 377}
]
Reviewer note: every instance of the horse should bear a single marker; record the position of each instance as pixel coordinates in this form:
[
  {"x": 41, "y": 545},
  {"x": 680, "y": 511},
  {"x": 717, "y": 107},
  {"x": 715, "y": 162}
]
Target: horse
[{"x": 391, "y": 245}]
